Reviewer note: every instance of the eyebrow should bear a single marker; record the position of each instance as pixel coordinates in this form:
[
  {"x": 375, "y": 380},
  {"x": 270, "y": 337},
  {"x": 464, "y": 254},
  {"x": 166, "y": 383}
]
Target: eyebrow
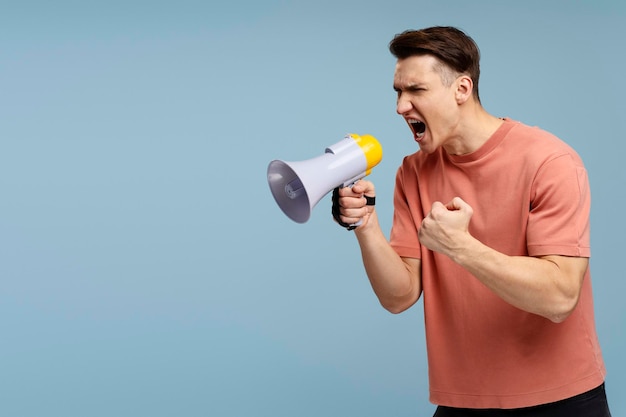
[{"x": 409, "y": 87}]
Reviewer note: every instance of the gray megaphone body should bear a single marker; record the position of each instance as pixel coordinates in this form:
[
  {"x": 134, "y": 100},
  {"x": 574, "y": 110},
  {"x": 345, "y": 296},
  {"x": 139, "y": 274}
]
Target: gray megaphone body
[{"x": 298, "y": 186}]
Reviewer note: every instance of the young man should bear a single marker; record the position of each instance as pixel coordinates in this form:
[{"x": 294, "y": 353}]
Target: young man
[{"x": 491, "y": 226}]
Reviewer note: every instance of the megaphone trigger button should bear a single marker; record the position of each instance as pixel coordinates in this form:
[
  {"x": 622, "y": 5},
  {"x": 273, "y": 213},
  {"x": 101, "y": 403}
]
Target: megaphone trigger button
[{"x": 370, "y": 201}]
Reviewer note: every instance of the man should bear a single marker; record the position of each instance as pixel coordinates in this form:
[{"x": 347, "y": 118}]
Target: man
[{"x": 491, "y": 225}]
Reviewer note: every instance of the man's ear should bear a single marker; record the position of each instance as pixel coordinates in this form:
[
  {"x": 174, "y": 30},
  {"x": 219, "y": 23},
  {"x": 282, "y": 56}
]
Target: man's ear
[{"x": 464, "y": 88}]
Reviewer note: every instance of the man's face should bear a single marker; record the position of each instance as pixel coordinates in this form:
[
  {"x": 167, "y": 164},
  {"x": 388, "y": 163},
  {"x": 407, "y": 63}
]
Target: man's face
[{"x": 428, "y": 106}]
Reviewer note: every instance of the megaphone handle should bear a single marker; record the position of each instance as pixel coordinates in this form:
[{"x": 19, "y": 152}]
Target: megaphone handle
[{"x": 369, "y": 201}]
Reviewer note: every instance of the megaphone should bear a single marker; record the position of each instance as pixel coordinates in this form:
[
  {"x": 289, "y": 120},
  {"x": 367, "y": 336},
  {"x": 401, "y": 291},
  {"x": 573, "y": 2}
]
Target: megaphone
[{"x": 298, "y": 186}]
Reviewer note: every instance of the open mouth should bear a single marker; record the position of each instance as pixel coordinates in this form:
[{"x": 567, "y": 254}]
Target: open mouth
[{"x": 418, "y": 128}]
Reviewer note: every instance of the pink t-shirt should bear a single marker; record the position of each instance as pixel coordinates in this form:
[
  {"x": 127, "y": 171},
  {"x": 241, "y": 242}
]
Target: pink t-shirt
[{"x": 530, "y": 196}]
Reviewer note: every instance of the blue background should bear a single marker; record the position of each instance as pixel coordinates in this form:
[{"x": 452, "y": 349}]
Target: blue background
[{"x": 145, "y": 268}]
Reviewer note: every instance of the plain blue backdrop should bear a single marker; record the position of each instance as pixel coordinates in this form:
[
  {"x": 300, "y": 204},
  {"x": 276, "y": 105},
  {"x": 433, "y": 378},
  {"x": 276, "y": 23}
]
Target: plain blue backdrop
[{"x": 145, "y": 268}]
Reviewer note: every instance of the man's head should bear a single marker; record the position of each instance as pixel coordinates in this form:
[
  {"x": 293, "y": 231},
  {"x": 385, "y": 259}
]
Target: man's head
[
  {"x": 456, "y": 52},
  {"x": 436, "y": 79}
]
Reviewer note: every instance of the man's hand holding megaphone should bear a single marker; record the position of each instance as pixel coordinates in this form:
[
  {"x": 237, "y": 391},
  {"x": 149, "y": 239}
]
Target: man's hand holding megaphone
[{"x": 352, "y": 206}]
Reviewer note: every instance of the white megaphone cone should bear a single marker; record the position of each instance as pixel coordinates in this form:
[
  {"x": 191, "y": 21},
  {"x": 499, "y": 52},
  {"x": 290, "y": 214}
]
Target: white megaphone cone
[{"x": 298, "y": 186}]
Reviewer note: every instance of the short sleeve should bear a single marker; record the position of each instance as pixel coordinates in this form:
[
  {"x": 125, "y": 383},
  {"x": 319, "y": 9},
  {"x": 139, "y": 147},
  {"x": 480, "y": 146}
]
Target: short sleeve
[
  {"x": 406, "y": 216},
  {"x": 558, "y": 223}
]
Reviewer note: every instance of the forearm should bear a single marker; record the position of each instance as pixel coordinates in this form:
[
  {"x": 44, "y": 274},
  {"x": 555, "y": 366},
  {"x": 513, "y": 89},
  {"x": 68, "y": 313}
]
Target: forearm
[
  {"x": 548, "y": 286},
  {"x": 395, "y": 282}
]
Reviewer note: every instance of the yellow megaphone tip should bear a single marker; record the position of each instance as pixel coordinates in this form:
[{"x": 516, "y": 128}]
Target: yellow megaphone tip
[{"x": 371, "y": 148}]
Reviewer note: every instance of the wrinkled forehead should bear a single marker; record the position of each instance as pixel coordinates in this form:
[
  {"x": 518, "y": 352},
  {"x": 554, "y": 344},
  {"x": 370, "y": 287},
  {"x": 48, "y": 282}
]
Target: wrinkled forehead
[{"x": 416, "y": 69}]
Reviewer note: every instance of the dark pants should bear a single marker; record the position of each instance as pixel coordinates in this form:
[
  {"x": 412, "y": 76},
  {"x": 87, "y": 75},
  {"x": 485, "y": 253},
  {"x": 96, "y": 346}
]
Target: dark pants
[{"x": 589, "y": 404}]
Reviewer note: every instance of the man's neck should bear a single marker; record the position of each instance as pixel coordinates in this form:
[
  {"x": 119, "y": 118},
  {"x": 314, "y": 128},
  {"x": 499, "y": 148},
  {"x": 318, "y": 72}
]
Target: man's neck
[{"x": 473, "y": 130}]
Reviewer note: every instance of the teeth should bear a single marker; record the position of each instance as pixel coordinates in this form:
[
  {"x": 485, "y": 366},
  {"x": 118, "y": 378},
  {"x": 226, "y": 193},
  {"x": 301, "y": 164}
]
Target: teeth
[{"x": 418, "y": 127}]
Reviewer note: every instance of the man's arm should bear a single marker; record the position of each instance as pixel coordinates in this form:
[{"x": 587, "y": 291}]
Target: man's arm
[
  {"x": 548, "y": 286},
  {"x": 396, "y": 281}
]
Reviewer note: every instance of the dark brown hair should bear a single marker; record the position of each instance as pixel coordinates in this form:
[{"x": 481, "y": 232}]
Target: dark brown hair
[{"x": 451, "y": 46}]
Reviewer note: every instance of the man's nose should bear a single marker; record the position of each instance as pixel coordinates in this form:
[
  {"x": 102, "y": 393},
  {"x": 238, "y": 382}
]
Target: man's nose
[{"x": 403, "y": 106}]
